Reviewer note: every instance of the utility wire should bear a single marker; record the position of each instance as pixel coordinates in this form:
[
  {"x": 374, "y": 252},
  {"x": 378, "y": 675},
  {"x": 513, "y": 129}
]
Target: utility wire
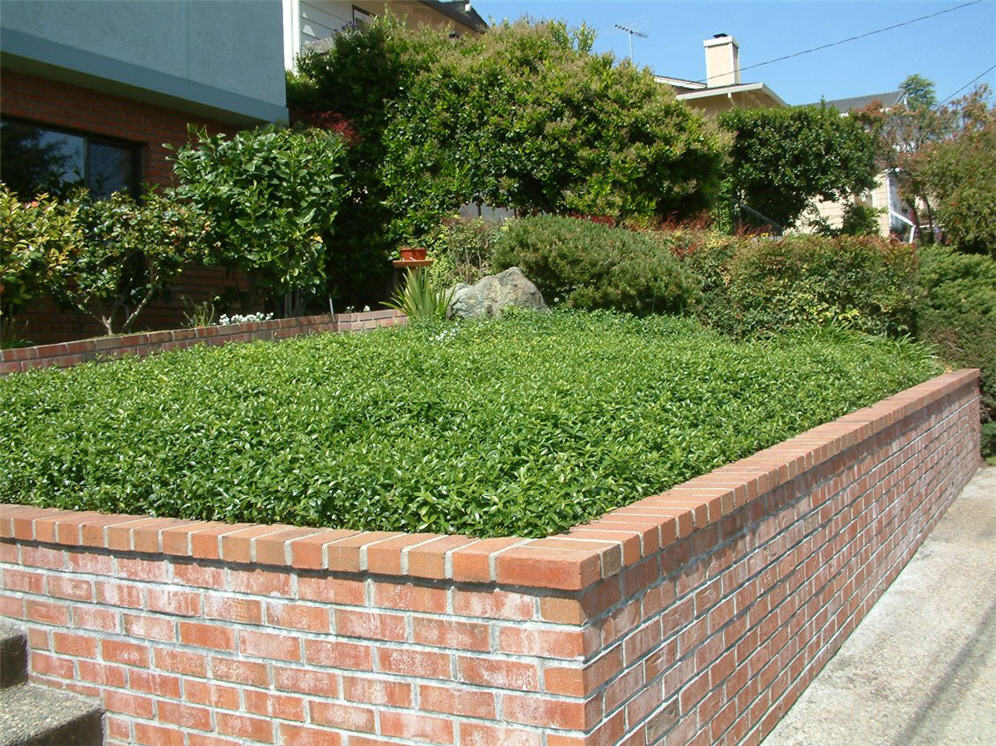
[
  {"x": 968, "y": 84},
  {"x": 859, "y": 36}
]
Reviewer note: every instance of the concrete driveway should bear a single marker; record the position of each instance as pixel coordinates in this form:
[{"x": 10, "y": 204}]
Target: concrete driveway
[{"x": 921, "y": 667}]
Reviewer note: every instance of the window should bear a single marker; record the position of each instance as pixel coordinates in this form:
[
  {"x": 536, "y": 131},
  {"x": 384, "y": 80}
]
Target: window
[
  {"x": 362, "y": 16},
  {"x": 36, "y": 159}
]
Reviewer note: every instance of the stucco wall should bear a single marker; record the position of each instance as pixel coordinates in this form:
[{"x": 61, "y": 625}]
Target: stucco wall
[{"x": 226, "y": 55}]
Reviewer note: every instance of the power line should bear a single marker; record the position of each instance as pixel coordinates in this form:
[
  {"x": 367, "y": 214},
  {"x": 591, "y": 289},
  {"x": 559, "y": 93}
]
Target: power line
[
  {"x": 968, "y": 84},
  {"x": 859, "y": 36}
]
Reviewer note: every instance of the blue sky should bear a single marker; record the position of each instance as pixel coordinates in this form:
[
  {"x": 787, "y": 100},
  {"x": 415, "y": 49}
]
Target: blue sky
[{"x": 950, "y": 49}]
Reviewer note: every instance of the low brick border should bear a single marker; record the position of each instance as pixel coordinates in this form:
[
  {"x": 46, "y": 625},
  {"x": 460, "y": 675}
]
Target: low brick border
[
  {"x": 67, "y": 354},
  {"x": 694, "y": 616}
]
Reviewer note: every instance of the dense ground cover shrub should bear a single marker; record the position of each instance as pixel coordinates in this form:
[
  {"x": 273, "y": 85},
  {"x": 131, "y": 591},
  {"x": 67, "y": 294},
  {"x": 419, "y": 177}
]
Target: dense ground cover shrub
[
  {"x": 523, "y": 425},
  {"x": 956, "y": 313},
  {"x": 587, "y": 265},
  {"x": 755, "y": 285}
]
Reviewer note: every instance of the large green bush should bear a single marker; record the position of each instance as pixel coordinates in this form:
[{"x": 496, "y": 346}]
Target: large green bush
[
  {"x": 755, "y": 285},
  {"x": 957, "y": 314},
  {"x": 587, "y": 265},
  {"x": 783, "y": 159},
  {"x": 523, "y": 425},
  {"x": 526, "y": 116},
  {"x": 961, "y": 177},
  {"x": 270, "y": 196}
]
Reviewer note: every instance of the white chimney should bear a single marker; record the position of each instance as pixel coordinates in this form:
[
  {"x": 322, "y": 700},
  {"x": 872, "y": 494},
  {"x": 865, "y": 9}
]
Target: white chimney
[{"x": 722, "y": 58}]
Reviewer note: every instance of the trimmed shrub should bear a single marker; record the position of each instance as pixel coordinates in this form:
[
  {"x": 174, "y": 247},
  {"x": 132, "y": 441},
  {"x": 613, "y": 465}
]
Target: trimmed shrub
[
  {"x": 525, "y": 425},
  {"x": 270, "y": 196},
  {"x": 587, "y": 265},
  {"x": 956, "y": 313},
  {"x": 757, "y": 286}
]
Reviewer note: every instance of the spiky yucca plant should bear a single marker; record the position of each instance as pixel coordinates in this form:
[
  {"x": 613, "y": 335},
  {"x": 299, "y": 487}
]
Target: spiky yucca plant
[{"x": 420, "y": 299}]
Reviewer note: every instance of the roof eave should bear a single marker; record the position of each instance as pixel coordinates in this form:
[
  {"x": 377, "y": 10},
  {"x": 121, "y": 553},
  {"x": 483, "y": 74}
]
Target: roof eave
[{"x": 734, "y": 90}]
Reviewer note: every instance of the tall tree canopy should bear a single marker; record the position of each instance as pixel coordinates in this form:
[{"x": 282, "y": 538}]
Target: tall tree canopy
[
  {"x": 525, "y": 116},
  {"x": 782, "y": 159},
  {"x": 917, "y": 140}
]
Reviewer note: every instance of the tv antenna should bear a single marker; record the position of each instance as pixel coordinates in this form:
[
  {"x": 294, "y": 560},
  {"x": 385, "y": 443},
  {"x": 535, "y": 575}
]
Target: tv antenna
[{"x": 631, "y": 32}]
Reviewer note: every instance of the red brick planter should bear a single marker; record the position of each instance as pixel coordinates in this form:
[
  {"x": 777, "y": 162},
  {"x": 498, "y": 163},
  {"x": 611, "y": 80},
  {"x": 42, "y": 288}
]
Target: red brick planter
[
  {"x": 65, "y": 354},
  {"x": 698, "y": 615}
]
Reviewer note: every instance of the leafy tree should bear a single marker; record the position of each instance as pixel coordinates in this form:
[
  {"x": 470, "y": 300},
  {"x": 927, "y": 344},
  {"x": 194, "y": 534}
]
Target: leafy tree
[
  {"x": 527, "y": 117},
  {"x": 350, "y": 88},
  {"x": 907, "y": 132},
  {"x": 782, "y": 159},
  {"x": 270, "y": 196},
  {"x": 123, "y": 254},
  {"x": 38, "y": 239},
  {"x": 960, "y": 176},
  {"x": 524, "y": 117}
]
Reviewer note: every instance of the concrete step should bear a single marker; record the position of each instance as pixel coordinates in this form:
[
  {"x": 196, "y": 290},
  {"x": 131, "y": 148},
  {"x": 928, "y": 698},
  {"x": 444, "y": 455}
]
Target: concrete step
[
  {"x": 13, "y": 656},
  {"x": 36, "y": 715}
]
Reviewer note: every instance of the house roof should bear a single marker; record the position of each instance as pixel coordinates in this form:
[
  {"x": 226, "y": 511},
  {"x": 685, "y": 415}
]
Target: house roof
[
  {"x": 844, "y": 105},
  {"x": 758, "y": 92},
  {"x": 680, "y": 84},
  {"x": 459, "y": 11}
]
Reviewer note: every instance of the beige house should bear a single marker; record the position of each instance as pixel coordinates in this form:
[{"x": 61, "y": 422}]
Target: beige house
[
  {"x": 308, "y": 22},
  {"x": 884, "y": 196},
  {"x": 723, "y": 89}
]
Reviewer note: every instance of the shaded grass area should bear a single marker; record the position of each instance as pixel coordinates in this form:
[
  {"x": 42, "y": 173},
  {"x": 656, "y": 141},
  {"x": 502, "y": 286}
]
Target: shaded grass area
[{"x": 525, "y": 425}]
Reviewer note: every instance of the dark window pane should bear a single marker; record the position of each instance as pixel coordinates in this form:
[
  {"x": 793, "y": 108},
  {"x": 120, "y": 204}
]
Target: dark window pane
[
  {"x": 34, "y": 159},
  {"x": 109, "y": 169}
]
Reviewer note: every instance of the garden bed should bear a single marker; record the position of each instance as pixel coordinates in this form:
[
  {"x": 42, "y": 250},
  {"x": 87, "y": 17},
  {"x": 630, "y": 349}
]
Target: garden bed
[{"x": 524, "y": 426}]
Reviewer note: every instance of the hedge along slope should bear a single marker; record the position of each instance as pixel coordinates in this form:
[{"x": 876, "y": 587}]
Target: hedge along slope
[{"x": 526, "y": 425}]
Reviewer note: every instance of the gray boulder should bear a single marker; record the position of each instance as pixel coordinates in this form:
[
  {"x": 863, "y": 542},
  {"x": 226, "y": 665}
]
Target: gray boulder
[{"x": 493, "y": 293}]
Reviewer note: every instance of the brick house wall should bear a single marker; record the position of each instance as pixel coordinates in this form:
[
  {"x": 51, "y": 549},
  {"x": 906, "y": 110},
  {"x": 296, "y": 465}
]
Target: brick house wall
[
  {"x": 64, "y": 105},
  {"x": 694, "y": 616}
]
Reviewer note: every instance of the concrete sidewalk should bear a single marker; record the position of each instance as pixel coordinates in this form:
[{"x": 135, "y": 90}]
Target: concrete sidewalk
[{"x": 921, "y": 667}]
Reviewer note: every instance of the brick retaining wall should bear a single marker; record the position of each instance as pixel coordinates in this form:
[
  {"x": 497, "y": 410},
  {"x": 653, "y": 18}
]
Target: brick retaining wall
[
  {"x": 65, "y": 354},
  {"x": 694, "y": 616}
]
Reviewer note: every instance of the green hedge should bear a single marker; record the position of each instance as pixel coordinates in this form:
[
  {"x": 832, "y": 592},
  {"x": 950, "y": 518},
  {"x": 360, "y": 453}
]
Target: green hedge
[
  {"x": 760, "y": 285},
  {"x": 957, "y": 314},
  {"x": 524, "y": 425},
  {"x": 590, "y": 266}
]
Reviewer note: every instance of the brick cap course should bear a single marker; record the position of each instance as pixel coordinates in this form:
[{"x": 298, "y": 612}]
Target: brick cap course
[{"x": 582, "y": 557}]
